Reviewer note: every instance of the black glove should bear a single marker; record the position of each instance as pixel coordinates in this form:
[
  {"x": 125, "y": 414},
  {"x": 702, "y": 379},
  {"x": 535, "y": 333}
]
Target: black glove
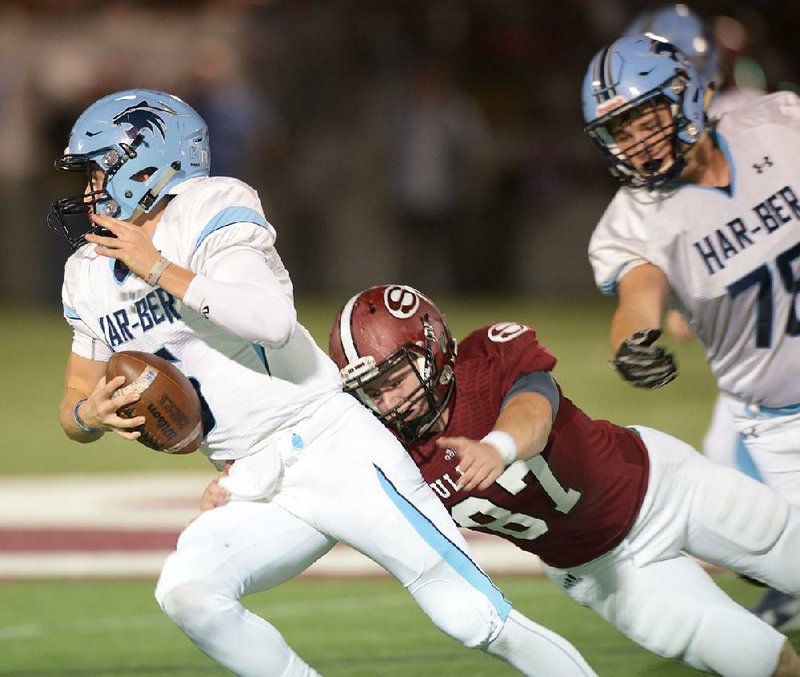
[{"x": 644, "y": 365}]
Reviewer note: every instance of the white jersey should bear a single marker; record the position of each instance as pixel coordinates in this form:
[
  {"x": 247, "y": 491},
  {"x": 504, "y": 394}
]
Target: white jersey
[
  {"x": 729, "y": 99},
  {"x": 249, "y": 391},
  {"x": 732, "y": 256}
]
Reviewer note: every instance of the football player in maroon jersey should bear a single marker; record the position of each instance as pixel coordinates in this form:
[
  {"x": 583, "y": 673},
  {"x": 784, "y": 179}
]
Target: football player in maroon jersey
[{"x": 614, "y": 513}]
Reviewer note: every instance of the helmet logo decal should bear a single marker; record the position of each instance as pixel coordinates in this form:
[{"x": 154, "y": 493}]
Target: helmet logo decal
[
  {"x": 611, "y": 104},
  {"x": 143, "y": 116},
  {"x": 506, "y": 331},
  {"x": 661, "y": 46},
  {"x": 401, "y": 302}
]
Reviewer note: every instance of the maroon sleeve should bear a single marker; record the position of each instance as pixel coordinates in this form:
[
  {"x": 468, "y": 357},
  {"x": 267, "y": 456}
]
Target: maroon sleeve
[{"x": 508, "y": 349}]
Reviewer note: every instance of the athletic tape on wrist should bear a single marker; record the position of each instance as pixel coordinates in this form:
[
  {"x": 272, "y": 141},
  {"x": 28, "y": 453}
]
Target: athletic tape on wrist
[
  {"x": 155, "y": 273},
  {"x": 77, "y": 419},
  {"x": 504, "y": 443}
]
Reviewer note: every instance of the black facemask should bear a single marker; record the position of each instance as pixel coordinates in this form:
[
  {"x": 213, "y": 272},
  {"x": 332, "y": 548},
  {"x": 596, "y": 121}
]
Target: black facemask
[{"x": 69, "y": 218}]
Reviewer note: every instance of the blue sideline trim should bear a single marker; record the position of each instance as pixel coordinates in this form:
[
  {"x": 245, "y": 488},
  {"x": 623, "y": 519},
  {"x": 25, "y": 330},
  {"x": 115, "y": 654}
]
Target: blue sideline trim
[
  {"x": 70, "y": 314},
  {"x": 262, "y": 356},
  {"x": 772, "y": 412},
  {"x": 228, "y": 216},
  {"x": 744, "y": 462},
  {"x": 450, "y": 552}
]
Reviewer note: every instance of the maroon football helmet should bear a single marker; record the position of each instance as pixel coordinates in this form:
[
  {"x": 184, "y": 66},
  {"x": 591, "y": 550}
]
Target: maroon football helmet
[{"x": 387, "y": 326}]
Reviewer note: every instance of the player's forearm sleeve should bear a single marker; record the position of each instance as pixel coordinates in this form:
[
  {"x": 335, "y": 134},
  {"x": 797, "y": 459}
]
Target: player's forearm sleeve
[{"x": 242, "y": 295}]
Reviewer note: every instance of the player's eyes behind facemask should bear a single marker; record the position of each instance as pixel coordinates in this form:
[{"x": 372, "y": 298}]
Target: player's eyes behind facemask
[
  {"x": 644, "y": 108},
  {"x": 643, "y": 136}
]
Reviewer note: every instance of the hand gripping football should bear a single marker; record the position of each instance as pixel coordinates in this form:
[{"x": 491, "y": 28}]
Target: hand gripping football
[{"x": 167, "y": 400}]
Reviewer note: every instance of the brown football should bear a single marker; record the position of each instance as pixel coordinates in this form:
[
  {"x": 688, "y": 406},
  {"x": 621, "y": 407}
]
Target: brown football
[{"x": 167, "y": 400}]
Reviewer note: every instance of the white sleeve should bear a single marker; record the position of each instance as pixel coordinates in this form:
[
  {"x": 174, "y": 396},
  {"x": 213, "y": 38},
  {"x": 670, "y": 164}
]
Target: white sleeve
[
  {"x": 84, "y": 341},
  {"x": 781, "y": 109},
  {"x": 241, "y": 285},
  {"x": 86, "y": 344},
  {"x": 614, "y": 248}
]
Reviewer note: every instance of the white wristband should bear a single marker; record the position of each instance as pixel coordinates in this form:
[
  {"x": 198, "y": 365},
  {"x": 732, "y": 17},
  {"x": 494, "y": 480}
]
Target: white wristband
[
  {"x": 504, "y": 443},
  {"x": 155, "y": 273}
]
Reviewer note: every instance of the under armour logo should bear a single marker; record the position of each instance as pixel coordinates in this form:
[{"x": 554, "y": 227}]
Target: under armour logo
[
  {"x": 761, "y": 166},
  {"x": 749, "y": 434}
]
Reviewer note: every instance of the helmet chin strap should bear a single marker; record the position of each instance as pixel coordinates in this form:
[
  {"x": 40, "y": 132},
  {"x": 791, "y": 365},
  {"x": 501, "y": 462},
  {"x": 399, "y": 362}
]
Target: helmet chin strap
[{"x": 151, "y": 195}]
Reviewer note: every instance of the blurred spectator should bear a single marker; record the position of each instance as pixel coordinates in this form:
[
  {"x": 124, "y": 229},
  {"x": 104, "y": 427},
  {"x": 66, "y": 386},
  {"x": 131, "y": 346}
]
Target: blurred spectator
[
  {"x": 244, "y": 125},
  {"x": 741, "y": 77},
  {"x": 437, "y": 134},
  {"x": 497, "y": 211}
]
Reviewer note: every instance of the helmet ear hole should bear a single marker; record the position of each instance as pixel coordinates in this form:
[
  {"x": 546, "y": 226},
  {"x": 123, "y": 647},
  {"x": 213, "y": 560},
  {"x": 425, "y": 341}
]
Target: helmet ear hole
[
  {"x": 143, "y": 174},
  {"x": 446, "y": 376}
]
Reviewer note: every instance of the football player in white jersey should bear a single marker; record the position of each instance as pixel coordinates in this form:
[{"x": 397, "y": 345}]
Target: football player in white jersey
[
  {"x": 708, "y": 212},
  {"x": 171, "y": 261},
  {"x": 681, "y": 26},
  {"x": 721, "y": 443}
]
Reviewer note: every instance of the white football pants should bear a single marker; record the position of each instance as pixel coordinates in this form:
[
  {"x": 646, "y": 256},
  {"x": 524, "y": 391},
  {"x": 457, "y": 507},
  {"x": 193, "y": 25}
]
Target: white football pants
[
  {"x": 772, "y": 437},
  {"x": 724, "y": 445},
  {"x": 348, "y": 480},
  {"x": 652, "y": 591}
]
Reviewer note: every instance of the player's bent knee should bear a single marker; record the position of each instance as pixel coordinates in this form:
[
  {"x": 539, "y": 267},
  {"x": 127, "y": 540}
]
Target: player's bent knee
[
  {"x": 735, "y": 645},
  {"x": 747, "y": 514},
  {"x": 194, "y": 607},
  {"x": 466, "y": 616}
]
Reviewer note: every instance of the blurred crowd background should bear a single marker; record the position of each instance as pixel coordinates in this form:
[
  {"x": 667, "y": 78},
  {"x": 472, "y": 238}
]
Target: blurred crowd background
[{"x": 434, "y": 142}]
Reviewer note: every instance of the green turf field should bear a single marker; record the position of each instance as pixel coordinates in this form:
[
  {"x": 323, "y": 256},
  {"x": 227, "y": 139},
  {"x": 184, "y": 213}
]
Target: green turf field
[{"x": 348, "y": 628}]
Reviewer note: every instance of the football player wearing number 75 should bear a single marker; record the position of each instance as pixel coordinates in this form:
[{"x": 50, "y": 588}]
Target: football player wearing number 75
[
  {"x": 614, "y": 513},
  {"x": 709, "y": 212}
]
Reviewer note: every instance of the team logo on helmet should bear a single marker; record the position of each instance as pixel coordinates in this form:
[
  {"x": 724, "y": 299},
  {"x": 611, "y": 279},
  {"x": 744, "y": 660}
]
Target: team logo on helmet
[
  {"x": 506, "y": 331},
  {"x": 662, "y": 46},
  {"x": 401, "y": 302},
  {"x": 143, "y": 116},
  {"x": 612, "y": 104}
]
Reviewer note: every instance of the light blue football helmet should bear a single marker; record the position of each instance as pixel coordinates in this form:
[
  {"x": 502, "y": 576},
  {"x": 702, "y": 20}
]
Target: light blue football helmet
[
  {"x": 686, "y": 30},
  {"x": 145, "y": 142},
  {"x": 635, "y": 74}
]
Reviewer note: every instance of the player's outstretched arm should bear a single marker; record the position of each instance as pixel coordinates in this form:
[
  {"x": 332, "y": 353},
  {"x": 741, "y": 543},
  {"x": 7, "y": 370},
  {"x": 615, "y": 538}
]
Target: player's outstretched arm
[
  {"x": 520, "y": 432},
  {"x": 88, "y": 408},
  {"x": 642, "y": 302},
  {"x": 635, "y": 327}
]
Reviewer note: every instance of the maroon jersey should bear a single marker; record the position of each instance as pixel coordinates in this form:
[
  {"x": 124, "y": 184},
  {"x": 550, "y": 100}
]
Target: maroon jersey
[{"x": 569, "y": 505}]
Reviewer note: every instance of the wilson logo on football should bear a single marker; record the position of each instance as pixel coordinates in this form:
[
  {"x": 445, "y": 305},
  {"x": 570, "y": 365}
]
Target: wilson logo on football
[
  {"x": 402, "y": 302},
  {"x": 505, "y": 331}
]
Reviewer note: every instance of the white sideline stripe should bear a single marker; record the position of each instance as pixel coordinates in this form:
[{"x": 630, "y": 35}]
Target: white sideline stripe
[
  {"x": 164, "y": 501},
  {"x": 495, "y": 556},
  {"x": 135, "y": 500},
  {"x": 160, "y": 501},
  {"x": 276, "y": 611}
]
